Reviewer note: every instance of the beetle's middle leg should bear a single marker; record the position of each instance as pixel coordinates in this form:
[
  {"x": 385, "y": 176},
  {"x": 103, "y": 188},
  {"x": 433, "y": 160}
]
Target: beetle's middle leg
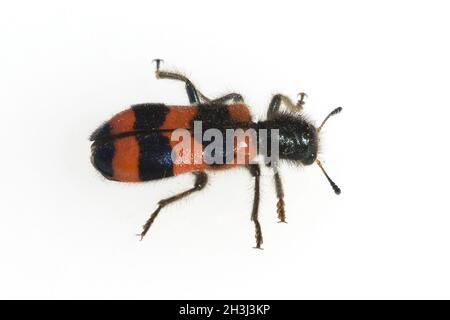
[
  {"x": 201, "y": 178},
  {"x": 255, "y": 171}
]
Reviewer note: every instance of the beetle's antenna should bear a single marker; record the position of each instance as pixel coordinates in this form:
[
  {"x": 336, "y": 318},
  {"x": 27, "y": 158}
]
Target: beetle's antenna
[
  {"x": 333, "y": 185},
  {"x": 332, "y": 113}
]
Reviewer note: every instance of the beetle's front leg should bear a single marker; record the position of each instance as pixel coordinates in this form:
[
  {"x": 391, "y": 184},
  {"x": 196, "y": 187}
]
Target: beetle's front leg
[
  {"x": 278, "y": 99},
  {"x": 280, "y": 196}
]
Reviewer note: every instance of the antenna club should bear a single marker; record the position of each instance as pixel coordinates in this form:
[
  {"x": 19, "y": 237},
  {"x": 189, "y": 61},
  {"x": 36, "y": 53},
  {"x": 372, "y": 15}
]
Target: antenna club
[
  {"x": 336, "y": 111},
  {"x": 332, "y": 113},
  {"x": 336, "y": 189}
]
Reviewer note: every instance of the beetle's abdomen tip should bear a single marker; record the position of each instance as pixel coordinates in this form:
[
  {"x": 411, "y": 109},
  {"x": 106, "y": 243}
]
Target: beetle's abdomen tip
[
  {"x": 102, "y": 158},
  {"x": 101, "y": 132}
]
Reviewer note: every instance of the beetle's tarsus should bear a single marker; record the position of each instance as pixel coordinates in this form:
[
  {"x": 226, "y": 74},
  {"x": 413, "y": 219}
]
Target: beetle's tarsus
[
  {"x": 158, "y": 63},
  {"x": 301, "y": 102},
  {"x": 200, "y": 183}
]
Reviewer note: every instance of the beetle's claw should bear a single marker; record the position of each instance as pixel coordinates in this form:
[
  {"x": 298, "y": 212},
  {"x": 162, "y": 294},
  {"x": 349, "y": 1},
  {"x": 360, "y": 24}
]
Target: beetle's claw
[
  {"x": 158, "y": 63},
  {"x": 301, "y": 101},
  {"x": 302, "y": 95}
]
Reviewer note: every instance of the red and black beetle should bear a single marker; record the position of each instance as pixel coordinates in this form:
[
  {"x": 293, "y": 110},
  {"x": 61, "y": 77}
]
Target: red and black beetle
[{"x": 138, "y": 144}]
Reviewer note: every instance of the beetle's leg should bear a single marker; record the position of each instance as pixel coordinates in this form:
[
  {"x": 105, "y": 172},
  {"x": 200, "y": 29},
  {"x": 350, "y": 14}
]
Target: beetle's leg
[
  {"x": 194, "y": 95},
  {"x": 256, "y": 172},
  {"x": 201, "y": 179},
  {"x": 278, "y": 99},
  {"x": 233, "y": 97},
  {"x": 280, "y": 195},
  {"x": 230, "y": 97}
]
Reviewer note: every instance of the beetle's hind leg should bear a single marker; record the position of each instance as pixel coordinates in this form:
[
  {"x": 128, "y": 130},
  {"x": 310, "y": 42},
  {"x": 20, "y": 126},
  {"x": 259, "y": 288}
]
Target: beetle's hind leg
[
  {"x": 194, "y": 95},
  {"x": 230, "y": 97},
  {"x": 201, "y": 178},
  {"x": 255, "y": 171}
]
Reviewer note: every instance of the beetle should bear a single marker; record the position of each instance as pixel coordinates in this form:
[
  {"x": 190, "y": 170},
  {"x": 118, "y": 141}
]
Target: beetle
[{"x": 138, "y": 144}]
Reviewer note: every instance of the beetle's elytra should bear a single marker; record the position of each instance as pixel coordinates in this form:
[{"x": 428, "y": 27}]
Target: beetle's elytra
[
  {"x": 142, "y": 143},
  {"x": 136, "y": 144}
]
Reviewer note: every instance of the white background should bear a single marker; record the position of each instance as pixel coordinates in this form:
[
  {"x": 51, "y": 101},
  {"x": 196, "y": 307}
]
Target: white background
[{"x": 66, "y": 232}]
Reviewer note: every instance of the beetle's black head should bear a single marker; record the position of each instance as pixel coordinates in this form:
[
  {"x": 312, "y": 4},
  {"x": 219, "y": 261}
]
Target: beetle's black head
[{"x": 298, "y": 138}]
